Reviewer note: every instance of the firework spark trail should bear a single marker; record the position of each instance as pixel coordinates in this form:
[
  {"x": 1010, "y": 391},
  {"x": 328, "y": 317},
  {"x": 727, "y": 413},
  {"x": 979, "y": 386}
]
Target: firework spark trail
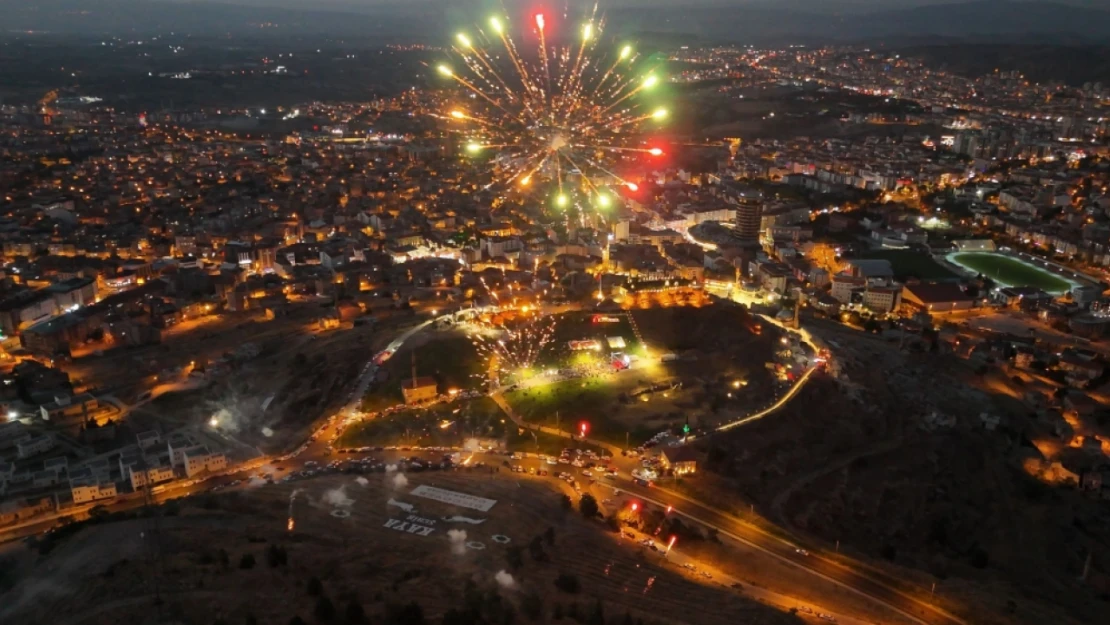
[
  {"x": 514, "y": 349},
  {"x": 540, "y": 119},
  {"x": 292, "y": 499}
]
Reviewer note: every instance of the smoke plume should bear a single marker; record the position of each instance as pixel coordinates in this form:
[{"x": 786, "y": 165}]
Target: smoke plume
[
  {"x": 458, "y": 541},
  {"x": 505, "y": 579},
  {"x": 337, "y": 497}
]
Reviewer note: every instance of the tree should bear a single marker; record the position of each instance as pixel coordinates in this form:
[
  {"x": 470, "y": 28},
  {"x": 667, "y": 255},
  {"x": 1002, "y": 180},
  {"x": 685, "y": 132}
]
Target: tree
[
  {"x": 247, "y": 561},
  {"x": 276, "y": 556},
  {"x": 515, "y": 557},
  {"x": 324, "y": 610},
  {"x": 587, "y": 505},
  {"x": 455, "y": 616},
  {"x": 355, "y": 613},
  {"x": 613, "y": 523},
  {"x": 597, "y": 616},
  {"x": 408, "y": 614},
  {"x": 549, "y": 536},
  {"x": 315, "y": 587},
  {"x": 532, "y": 606},
  {"x": 557, "y": 613},
  {"x": 225, "y": 560},
  {"x": 568, "y": 583},
  {"x": 565, "y": 502},
  {"x": 251, "y": 620},
  {"x": 296, "y": 620},
  {"x": 536, "y": 549}
]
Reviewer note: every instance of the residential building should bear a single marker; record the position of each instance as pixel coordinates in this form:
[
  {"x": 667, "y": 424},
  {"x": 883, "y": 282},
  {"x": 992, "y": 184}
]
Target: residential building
[
  {"x": 35, "y": 445},
  {"x": 681, "y": 460},
  {"x": 882, "y": 299},
  {"x": 87, "y": 492},
  {"x": 199, "y": 460},
  {"x": 419, "y": 390}
]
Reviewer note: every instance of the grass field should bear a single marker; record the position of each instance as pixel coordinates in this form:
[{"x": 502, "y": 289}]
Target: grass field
[
  {"x": 602, "y": 402},
  {"x": 908, "y": 263},
  {"x": 466, "y": 419},
  {"x": 450, "y": 358},
  {"x": 1010, "y": 271}
]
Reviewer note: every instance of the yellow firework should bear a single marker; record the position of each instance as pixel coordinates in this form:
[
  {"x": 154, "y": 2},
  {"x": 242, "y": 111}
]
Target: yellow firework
[{"x": 561, "y": 115}]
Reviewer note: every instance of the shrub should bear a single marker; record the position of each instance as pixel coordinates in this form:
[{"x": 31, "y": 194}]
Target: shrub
[{"x": 568, "y": 583}]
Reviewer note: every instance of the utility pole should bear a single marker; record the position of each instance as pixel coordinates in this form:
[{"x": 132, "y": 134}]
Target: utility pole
[{"x": 155, "y": 533}]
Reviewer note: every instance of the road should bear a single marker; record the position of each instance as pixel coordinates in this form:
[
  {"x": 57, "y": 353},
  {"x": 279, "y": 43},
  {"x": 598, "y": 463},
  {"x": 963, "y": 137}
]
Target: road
[
  {"x": 775, "y": 407},
  {"x": 888, "y": 592}
]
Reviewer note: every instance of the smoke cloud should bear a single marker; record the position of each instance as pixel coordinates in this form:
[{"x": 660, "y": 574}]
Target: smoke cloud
[
  {"x": 458, "y": 541},
  {"x": 390, "y": 468},
  {"x": 337, "y": 497},
  {"x": 400, "y": 481},
  {"x": 361, "y": 481},
  {"x": 505, "y": 579}
]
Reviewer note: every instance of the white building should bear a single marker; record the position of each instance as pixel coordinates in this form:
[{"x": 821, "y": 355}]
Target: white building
[
  {"x": 85, "y": 493},
  {"x": 882, "y": 299},
  {"x": 199, "y": 459},
  {"x": 178, "y": 443},
  {"x": 844, "y": 285},
  {"x": 34, "y": 446},
  {"x": 153, "y": 475}
]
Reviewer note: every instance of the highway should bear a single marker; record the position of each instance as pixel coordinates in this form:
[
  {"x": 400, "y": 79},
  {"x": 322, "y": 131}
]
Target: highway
[{"x": 888, "y": 592}]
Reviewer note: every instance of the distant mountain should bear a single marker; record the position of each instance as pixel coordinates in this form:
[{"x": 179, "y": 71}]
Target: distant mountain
[
  {"x": 759, "y": 22},
  {"x": 147, "y": 17},
  {"x": 984, "y": 19},
  {"x": 1073, "y": 65}
]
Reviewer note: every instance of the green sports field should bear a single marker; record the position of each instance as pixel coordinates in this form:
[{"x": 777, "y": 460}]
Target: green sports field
[{"x": 1010, "y": 271}]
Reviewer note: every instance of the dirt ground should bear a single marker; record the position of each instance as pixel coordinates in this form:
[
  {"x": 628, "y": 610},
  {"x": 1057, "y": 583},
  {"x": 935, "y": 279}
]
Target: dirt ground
[
  {"x": 343, "y": 538},
  {"x": 276, "y": 376},
  {"x": 893, "y": 464}
]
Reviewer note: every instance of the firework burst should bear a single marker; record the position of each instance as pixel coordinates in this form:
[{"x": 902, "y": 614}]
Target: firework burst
[
  {"x": 515, "y": 346},
  {"x": 560, "y": 116}
]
